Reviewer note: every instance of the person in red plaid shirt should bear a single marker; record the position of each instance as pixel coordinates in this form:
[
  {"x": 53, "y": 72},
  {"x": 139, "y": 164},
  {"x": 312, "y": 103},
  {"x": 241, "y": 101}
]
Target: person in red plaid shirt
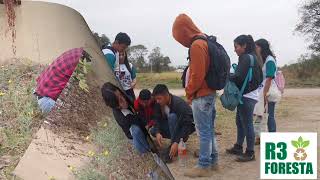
[
  {"x": 144, "y": 105},
  {"x": 54, "y": 78}
]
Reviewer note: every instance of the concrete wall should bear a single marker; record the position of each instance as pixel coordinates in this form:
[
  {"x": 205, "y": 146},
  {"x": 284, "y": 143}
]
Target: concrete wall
[{"x": 44, "y": 31}]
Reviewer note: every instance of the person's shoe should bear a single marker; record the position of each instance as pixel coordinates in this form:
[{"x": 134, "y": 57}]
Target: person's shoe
[
  {"x": 198, "y": 172},
  {"x": 236, "y": 150},
  {"x": 196, "y": 153},
  {"x": 247, "y": 156},
  {"x": 257, "y": 141}
]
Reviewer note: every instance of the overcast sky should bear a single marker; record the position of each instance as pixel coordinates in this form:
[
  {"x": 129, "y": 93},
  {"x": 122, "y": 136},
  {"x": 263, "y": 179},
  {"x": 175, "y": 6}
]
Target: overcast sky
[{"x": 149, "y": 22}]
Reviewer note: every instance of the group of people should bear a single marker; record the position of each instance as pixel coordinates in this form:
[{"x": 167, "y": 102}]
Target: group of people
[{"x": 164, "y": 115}]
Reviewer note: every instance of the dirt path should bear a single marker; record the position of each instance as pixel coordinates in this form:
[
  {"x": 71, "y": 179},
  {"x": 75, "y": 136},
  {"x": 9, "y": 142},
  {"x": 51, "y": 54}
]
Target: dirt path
[{"x": 298, "y": 111}]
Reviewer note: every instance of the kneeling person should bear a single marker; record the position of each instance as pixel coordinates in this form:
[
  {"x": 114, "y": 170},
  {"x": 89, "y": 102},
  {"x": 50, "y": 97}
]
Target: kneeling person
[
  {"x": 173, "y": 119},
  {"x": 124, "y": 114}
]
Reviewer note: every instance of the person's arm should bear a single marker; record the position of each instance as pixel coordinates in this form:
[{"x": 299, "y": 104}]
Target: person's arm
[
  {"x": 197, "y": 69},
  {"x": 111, "y": 59},
  {"x": 241, "y": 71},
  {"x": 122, "y": 122},
  {"x": 184, "y": 121},
  {"x": 270, "y": 74}
]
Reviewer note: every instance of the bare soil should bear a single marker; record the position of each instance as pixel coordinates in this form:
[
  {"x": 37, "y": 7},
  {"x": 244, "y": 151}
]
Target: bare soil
[{"x": 298, "y": 111}]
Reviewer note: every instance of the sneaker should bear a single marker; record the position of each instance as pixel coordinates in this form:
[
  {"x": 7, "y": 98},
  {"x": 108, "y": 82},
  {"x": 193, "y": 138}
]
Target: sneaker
[
  {"x": 247, "y": 156},
  {"x": 236, "y": 150},
  {"x": 198, "y": 172}
]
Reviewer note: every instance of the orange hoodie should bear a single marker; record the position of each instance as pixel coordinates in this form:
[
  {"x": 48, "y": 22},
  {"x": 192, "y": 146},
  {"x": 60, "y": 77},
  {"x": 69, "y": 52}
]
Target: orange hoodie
[{"x": 183, "y": 31}]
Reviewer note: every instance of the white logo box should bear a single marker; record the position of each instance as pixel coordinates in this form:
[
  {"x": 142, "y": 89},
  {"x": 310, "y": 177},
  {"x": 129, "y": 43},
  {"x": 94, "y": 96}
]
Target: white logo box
[{"x": 311, "y": 151}]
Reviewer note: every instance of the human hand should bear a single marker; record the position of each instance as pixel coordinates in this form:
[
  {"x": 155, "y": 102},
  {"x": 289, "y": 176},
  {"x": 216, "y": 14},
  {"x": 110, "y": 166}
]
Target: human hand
[
  {"x": 173, "y": 150},
  {"x": 159, "y": 139}
]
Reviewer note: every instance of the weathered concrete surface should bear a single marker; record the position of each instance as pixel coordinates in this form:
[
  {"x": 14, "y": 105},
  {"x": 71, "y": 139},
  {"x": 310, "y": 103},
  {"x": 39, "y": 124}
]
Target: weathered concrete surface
[{"x": 43, "y": 32}]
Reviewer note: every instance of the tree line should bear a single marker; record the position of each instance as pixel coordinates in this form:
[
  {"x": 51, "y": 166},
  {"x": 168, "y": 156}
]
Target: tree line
[{"x": 139, "y": 55}]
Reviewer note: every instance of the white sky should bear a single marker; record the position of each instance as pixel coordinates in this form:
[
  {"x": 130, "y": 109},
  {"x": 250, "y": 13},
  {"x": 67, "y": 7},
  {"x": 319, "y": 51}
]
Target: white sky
[{"x": 149, "y": 22}]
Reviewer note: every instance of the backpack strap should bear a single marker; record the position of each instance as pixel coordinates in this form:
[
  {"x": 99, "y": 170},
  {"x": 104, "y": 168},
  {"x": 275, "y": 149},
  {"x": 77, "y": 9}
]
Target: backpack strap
[{"x": 248, "y": 77}]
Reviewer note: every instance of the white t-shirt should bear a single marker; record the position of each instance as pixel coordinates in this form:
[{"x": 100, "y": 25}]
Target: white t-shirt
[{"x": 124, "y": 76}]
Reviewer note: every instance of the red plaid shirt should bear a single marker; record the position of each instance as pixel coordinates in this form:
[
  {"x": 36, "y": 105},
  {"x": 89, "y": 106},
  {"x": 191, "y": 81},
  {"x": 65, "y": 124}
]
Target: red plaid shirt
[{"x": 54, "y": 78}]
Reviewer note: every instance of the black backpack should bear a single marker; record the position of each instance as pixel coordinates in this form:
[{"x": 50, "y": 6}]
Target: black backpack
[{"x": 219, "y": 66}]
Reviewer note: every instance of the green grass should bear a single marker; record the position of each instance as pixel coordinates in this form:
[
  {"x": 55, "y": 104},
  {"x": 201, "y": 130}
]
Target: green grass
[
  {"x": 19, "y": 115},
  {"x": 149, "y": 80},
  {"x": 110, "y": 139}
]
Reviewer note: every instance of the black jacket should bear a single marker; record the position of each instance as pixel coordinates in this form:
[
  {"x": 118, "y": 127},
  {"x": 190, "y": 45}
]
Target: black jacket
[
  {"x": 125, "y": 122},
  {"x": 185, "y": 125},
  {"x": 241, "y": 72}
]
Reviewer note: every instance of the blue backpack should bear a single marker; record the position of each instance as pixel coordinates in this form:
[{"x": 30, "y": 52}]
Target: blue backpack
[{"x": 232, "y": 96}]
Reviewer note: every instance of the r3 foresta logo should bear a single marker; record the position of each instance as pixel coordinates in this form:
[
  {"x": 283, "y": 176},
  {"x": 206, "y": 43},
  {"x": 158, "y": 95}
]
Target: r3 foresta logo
[{"x": 288, "y": 156}]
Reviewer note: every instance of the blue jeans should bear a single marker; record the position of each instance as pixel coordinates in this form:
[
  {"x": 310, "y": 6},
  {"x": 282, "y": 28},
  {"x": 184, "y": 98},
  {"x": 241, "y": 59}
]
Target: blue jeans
[
  {"x": 139, "y": 139},
  {"x": 204, "y": 113},
  {"x": 244, "y": 121},
  {"x": 46, "y": 104},
  {"x": 167, "y": 128},
  {"x": 271, "y": 119}
]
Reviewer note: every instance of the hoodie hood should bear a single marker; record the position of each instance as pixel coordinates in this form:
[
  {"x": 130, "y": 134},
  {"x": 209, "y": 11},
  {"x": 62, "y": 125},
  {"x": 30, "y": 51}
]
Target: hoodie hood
[{"x": 184, "y": 30}]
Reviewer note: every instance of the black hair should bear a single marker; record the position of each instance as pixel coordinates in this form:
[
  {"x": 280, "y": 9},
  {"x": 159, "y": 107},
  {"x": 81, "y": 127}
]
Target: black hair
[
  {"x": 145, "y": 94},
  {"x": 123, "y": 38},
  {"x": 160, "y": 89},
  {"x": 108, "y": 93},
  {"x": 248, "y": 41},
  {"x": 265, "y": 49}
]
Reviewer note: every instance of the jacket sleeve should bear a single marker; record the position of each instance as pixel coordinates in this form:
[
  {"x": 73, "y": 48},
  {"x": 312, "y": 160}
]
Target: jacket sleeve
[
  {"x": 241, "y": 70},
  {"x": 111, "y": 59},
  {"x": 122, "y": 122},
  {"x": 185, "y": 124},
  {"x": 197, "y": 69}
]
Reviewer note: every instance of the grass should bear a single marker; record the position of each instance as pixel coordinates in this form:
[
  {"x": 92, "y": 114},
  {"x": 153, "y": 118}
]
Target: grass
[
  {"x": 110, "y": 139},
  {"x": 149, "y": 80},
  {"x": 20, "y": 117}
]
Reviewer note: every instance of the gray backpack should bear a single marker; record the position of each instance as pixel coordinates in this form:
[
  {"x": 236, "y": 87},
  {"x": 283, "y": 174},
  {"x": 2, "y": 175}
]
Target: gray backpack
[{"x": 232, "y": 96}]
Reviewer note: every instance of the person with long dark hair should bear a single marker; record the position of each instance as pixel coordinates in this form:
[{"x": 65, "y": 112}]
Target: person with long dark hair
[
  {"x": 245, "y": 48},
  {"x": 269, "y": 70},
  {"x": 126, "y": 117}
]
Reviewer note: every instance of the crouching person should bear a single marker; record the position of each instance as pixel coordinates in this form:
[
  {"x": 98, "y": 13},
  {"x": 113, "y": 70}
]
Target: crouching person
[
  {"x": 55, "y": 77},
  {"x": 124, "y": 114},
  {"x": 173, "y": 120}
]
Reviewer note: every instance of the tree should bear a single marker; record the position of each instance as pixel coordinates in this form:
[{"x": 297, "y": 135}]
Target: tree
[
  {"x": 101, "y": 40},
  {"x": 136, "y": 55},
  {"x": 310, "y": 23},
  {"x": 158, "y": 62},
  {"x": 154, "y": 59}
]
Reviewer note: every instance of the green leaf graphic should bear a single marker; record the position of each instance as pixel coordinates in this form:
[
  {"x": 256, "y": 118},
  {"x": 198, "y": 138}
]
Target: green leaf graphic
[
  {"x": 295, "y": 144},
  {"x": 305, "y": 144},
  {"x": 300, "y": 140}
]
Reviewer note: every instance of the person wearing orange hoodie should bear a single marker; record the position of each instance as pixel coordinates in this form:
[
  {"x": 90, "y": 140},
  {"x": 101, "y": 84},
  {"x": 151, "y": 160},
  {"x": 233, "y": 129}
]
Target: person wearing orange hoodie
[{"x": 199, "y": 94}]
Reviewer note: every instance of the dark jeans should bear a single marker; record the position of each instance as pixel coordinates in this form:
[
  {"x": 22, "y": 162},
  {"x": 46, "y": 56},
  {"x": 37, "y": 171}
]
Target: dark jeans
[
  {"x": 131, "y": 94},
  {"x": 272, "y": 127},
  {"x": 166, "y": 127},
  {"x": 244, "y": 121}
]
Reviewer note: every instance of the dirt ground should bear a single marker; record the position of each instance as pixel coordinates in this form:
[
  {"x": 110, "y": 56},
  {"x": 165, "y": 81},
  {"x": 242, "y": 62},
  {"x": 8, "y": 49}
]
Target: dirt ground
[{"x": 298, "y": 111}]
